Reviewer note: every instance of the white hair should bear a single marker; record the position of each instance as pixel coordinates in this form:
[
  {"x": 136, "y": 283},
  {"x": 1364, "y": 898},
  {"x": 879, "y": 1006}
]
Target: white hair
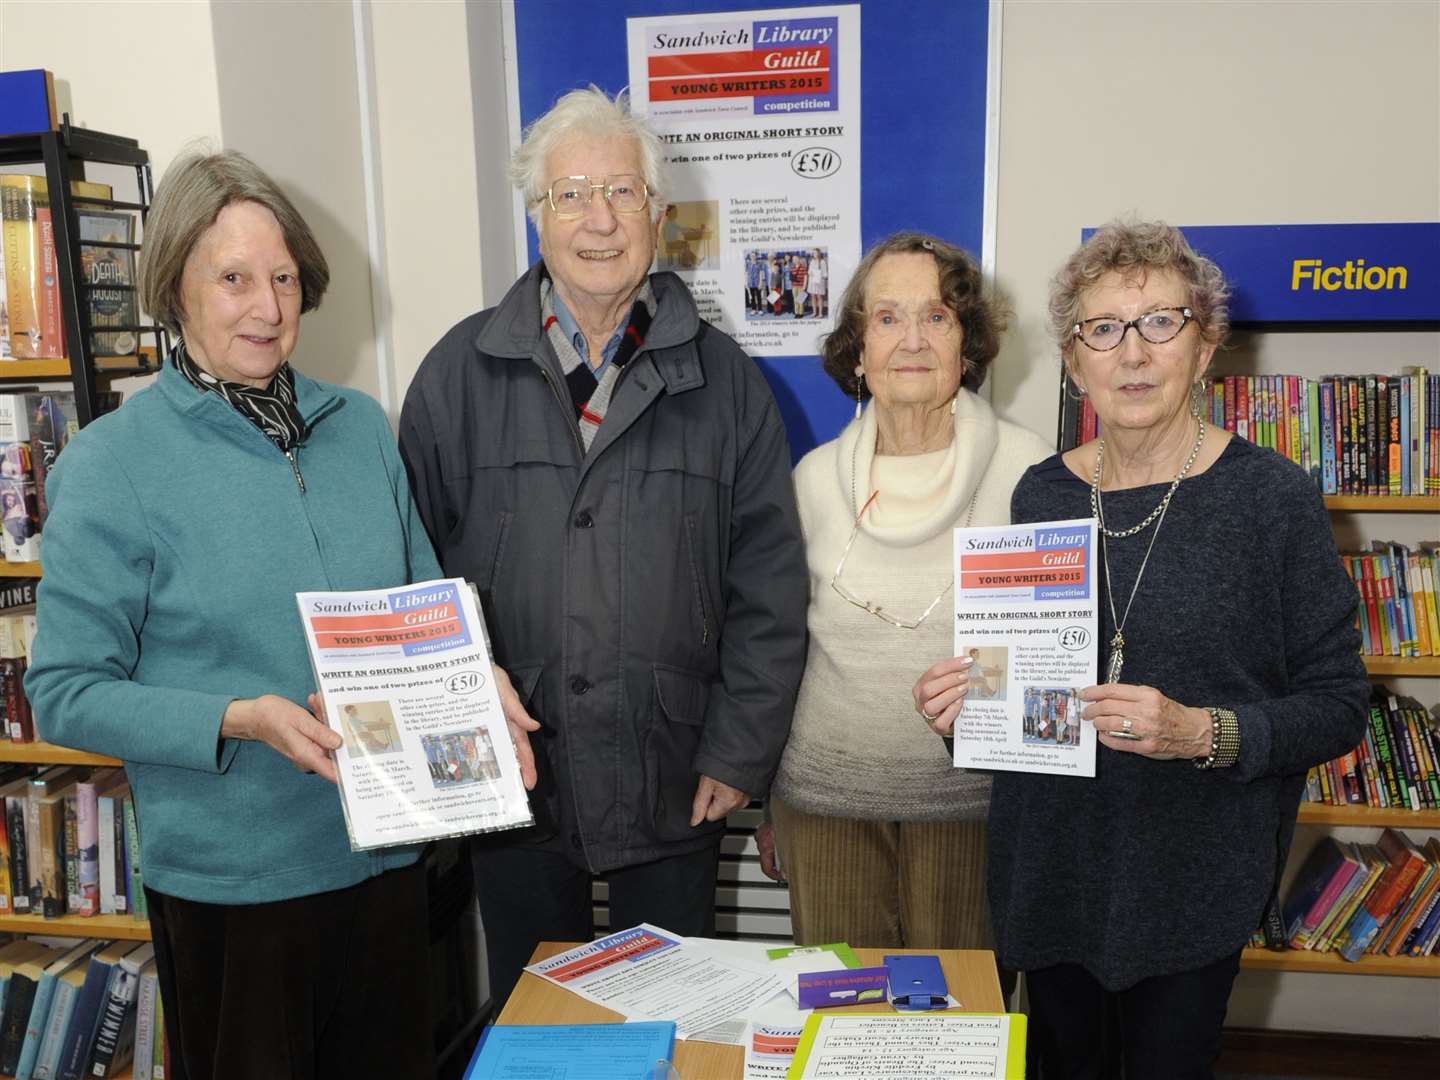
[{"x": 589, "y": 113}]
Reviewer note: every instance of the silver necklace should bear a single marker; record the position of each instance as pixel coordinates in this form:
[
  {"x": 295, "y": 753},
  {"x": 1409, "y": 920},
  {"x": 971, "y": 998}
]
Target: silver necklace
[
  {"x": 1117, "y": 641},
  {"x": 1120, "y": 534}
]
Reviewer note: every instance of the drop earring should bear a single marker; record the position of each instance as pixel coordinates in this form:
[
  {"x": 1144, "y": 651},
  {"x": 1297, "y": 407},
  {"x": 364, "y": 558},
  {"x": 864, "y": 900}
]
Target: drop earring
[
  {"x": 953, "y": 402},
  {"x": 859, "y": 389}
]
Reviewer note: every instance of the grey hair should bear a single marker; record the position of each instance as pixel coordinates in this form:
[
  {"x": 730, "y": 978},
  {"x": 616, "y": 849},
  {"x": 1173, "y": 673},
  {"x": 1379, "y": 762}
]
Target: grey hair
[
  {"x": 195, "y": 188},
  {"x": 588, "y": 113},
  {"x": 1134, "y": 249}
]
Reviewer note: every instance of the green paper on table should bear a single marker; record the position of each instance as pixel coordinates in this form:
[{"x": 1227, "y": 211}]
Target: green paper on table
[{"x": 842, "y": 952}]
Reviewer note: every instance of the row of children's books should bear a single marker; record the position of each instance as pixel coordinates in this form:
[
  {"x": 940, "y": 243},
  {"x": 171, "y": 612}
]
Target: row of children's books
[
  {"x": 1397, "y": 764},
  {"x": 1355, "y": 434},
  {"x": 1364, "y": 899},
  {"x": 71, "y": 1010},
  {"x": 31, "y": 321},
  {"x": 68, "y": 843},
  {"x": 1398, "y": 615}
]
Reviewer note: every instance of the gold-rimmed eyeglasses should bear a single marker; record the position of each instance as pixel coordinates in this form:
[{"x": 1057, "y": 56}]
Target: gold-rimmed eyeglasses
[
  {"x": 570, "y": 196},
  {"x": 866, "y": 605}
]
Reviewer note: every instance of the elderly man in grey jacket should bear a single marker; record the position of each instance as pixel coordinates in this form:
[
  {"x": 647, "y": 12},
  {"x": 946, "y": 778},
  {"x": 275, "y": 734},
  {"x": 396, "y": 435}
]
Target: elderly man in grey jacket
[{"x": 612, "y": 472}]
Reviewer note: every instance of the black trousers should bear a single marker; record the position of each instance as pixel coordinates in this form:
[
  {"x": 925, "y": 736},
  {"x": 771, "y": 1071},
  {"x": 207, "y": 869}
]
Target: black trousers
[
  {"x": 331, "y": 985},
  {"x": 1162, "y": 1028},
  {"x": 529, "y": 895}
]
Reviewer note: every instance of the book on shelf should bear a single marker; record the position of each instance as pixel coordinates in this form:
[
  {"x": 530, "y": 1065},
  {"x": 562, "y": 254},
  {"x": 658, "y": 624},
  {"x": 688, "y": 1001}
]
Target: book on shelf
[
  {"x": 1354, "y": 434},
  {"x": 32, "y": 279},
  {"x": 109, "y": 275},
  {"x": 1404, "y": 862},
  {"x": 85, "y": 1020},
  {"x": 147, "y": 1022},
  {"x": 1397, "y": 764},
  {"x": 19, "y": 1001},
  {"x": 115, "y": 1029},
  {"x": 45, "y": 986},
  {"x": 19, "y": 502},
  {"x": 1366, "y": 899}
]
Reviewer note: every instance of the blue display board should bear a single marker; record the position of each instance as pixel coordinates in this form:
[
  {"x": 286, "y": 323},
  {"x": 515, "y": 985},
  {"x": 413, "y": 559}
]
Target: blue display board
[
  {"x": 922, "y": 138},
  {"x": 1387, "y": 272}
]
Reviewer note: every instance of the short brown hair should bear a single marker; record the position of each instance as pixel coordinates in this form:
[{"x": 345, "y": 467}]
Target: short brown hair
[
  {"x": 981, "y": 319},
  {"x": 1134, "y": 249},
  {"x": 191, "y": 195}
]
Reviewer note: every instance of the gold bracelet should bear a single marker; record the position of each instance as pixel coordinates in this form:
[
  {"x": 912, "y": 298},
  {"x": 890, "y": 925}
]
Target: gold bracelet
[{"x": 1224, "y": 739}]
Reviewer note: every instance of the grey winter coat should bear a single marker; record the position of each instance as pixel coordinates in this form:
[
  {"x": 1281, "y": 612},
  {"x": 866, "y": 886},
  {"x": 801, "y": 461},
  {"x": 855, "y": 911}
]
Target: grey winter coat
[{"x": 647, "y": 599}]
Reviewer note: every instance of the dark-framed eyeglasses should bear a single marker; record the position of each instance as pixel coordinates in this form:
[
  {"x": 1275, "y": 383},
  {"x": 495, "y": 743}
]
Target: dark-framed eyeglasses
[
  {"x": 1157, "y": 327},
  {"x": 625, "y": 192}
]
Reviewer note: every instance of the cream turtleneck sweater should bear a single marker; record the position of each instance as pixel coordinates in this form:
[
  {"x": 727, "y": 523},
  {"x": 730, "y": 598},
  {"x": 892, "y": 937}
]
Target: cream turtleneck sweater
[{"x": 857, "y": 747}]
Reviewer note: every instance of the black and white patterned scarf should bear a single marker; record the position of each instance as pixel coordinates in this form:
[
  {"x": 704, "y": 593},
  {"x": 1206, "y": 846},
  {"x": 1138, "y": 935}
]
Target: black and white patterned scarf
[
  {"x": 272, "y": 410},
  {"x": 590, "y": 397}
]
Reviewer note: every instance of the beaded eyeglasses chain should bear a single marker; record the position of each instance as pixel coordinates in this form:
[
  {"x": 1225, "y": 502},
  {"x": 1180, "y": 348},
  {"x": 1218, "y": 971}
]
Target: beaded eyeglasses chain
[{"x": 1117, "y": 642}]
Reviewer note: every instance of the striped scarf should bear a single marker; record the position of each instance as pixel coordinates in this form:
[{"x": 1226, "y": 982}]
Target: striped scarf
[
  {"x": 272, "y": 410},
  {"x": 590, "y": 397}
]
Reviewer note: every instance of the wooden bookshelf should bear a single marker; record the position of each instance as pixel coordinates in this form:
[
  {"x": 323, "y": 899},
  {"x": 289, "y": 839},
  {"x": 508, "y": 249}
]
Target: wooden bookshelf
[
  {"x": 1383, "y": 503},
  {"x": 44, "y": 753},
  {"x": 108, "y": 927},
  {"x": 1413, "y": 667},
  {"x": 109, "y": 366},
  {"x": 1303, "y": 960},
  {"x": 19, "y": 569},
  {"x": 1357, "y": 814}
]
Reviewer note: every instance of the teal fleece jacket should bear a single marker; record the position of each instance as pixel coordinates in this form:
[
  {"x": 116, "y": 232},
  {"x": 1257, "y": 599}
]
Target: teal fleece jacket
[{"x": 177, "y": 539}]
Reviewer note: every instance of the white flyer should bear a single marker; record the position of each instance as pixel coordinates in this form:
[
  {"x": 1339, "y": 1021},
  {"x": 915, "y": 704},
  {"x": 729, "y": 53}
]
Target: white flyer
[
  {"x": 406, "y": 679},
  {"x": 760, "y": 111},
  {"x": 646, "y": 973},
  {"x": 916, "y": 1046},
  {"x": 1025, "y": 612}
]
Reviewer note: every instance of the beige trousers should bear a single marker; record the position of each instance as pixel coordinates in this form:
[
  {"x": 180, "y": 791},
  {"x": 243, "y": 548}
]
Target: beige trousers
[{"x": 884, "y": 884}]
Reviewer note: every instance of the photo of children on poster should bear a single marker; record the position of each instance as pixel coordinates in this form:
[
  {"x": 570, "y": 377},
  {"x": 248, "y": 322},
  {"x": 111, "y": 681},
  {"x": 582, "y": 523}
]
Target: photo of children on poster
[
  {"x": 405, "y": 677},
  {"x": 1026, "y": 614}
]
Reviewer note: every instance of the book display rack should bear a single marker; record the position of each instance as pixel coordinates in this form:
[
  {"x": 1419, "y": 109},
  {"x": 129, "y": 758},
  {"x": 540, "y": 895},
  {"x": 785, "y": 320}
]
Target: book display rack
[{"x": 61, "y": 156}]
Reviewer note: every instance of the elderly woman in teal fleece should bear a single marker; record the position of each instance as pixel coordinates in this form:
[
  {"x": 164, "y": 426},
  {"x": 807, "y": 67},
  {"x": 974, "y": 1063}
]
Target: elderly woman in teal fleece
[{"x": 180, "y": 529}]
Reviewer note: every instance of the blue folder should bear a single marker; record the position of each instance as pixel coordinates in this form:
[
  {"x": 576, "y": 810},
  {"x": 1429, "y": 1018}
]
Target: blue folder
[{"x": 574, "y": 1051}]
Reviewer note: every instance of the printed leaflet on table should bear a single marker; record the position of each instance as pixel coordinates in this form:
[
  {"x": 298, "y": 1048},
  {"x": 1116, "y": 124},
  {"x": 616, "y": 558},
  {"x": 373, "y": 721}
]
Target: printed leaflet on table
[
  {"x": 406, "y": 679},
  {"x": 760, "y": 113},
  {"x": 946, "y": 1046},
  {"x": 1025, "y": 612},
  {"x": 651, "y": 974}
]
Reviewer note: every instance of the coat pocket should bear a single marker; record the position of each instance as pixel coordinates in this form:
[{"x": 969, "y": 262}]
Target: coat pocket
[{"x": 677, "y": 722}]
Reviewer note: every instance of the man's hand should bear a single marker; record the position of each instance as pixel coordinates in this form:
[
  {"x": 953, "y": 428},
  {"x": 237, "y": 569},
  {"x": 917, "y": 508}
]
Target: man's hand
[
  {"x": 713, "y": 800},
  {"x": 286, "y": 728},
  {"x": 765, "y": 841},
  {"x": 521, "y": 723}
]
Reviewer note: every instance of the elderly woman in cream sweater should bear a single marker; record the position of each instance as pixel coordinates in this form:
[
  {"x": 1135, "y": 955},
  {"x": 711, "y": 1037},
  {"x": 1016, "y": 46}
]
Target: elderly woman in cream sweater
[{"x": 881, "y": 838}]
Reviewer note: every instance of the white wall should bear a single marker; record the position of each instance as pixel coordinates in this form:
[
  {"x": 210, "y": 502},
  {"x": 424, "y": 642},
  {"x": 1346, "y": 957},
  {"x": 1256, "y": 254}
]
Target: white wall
[
  {"x": 141, "y": 69},
  {"x": 1295, "y": 112}
]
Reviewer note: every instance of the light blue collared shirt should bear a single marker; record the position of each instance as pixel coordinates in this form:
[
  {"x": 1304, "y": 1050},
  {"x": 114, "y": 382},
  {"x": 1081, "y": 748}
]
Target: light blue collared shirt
[{"x": 574, "y": 335}]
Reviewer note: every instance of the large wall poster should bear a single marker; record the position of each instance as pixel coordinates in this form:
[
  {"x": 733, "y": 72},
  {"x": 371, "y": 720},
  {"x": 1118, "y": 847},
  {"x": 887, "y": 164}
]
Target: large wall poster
[
  {"x": 923, "y": 72},
  {"x": 760, "y": 112}
]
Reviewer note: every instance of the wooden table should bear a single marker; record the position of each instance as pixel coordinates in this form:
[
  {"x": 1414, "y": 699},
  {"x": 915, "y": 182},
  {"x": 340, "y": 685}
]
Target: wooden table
[{"x": 969, "y": 973}]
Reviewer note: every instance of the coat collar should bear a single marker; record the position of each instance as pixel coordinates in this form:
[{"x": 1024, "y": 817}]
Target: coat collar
[{"x": 513, "y": 330}]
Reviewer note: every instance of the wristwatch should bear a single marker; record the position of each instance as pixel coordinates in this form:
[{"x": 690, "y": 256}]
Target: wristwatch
[{"x": 1224, "y": 739}]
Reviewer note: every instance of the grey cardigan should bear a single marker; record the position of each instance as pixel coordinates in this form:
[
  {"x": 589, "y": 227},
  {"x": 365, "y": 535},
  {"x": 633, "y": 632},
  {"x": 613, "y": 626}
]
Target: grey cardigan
[{"x": 647, "y": 598}]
